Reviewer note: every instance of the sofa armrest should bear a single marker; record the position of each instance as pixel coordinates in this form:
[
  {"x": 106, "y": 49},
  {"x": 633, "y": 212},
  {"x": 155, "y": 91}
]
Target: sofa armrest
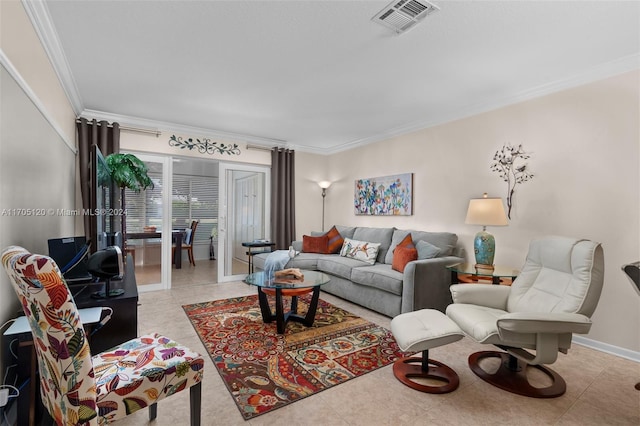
[
  {"x": 426, "y": 284},
  {"x": 489, "y": 295}
]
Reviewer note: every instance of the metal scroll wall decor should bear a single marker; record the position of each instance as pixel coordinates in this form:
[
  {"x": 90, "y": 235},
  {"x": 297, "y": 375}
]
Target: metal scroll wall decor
[
  {"x": 509, "y": 163},
  {"x": 204, "y": 146}
]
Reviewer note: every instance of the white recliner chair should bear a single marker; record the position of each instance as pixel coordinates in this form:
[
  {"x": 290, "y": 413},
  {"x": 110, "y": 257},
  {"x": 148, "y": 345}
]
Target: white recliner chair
[{"x": 553, "y": 297}]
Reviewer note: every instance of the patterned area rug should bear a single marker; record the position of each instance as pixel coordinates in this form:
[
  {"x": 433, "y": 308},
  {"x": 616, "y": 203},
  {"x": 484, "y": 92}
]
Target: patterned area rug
[{"x": 265, "y": 371}]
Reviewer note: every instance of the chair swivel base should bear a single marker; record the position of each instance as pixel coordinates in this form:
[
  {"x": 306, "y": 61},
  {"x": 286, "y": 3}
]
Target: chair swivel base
[
  {"x": 408, "y": 368},
  {"x": 512, "y": 377}
]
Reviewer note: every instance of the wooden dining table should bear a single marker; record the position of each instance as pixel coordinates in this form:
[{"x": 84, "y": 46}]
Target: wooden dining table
[{"x": 176, "y": 237}]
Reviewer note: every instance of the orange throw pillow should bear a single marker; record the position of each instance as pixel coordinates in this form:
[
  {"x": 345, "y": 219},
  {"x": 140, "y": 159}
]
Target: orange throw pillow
[
  {"x": 315, "y": 244},
  {"x": 406, "y": 242},
  {"x": 335, "y": 241},
  {"x": 403, "y": 255}
]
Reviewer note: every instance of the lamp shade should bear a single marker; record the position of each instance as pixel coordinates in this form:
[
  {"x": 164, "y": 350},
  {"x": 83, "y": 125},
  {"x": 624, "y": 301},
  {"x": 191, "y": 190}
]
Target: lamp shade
[
  {"x": 324, "y": 184},
  {"x": 486, "y": 212}
]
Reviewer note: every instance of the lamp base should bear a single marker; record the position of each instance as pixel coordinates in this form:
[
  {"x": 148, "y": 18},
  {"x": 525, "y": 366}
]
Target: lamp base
[
  {"x": 484, "y": 247},
  {"x": 481, "y": 267}
]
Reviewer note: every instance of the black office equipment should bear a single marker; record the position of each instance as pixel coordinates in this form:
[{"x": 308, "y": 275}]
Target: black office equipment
[{"x": 63, "y": 251}]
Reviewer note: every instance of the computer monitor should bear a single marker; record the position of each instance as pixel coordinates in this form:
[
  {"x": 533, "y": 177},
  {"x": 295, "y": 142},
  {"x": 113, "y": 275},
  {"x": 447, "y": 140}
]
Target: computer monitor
[{"x": 63, "y": 251}]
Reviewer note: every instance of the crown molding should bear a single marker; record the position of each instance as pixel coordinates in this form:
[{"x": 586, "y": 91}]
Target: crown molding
[
  {"x": 22, "y": 83},
  {"x": 165, "y": 126},
  {"x": 599, "y": 72},
  {"x": 41, "y": 20}
]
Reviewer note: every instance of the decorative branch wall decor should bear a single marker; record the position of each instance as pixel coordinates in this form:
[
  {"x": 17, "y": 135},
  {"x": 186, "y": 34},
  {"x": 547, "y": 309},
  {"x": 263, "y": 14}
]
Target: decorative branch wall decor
[
  {"x": 204, "y": 146},
  {"x": 508, "y": 163}
]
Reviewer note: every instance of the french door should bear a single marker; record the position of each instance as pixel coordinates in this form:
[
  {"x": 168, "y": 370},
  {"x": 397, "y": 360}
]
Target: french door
[
  {"x": 243, "y": 216},
  {"x": 148, "y": 210}
]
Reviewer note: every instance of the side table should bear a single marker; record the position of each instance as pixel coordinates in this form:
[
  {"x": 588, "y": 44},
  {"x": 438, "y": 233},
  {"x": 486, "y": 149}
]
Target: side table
[
  {"x": 261, "y": 246},
  {"x": 468, "y": 273}
]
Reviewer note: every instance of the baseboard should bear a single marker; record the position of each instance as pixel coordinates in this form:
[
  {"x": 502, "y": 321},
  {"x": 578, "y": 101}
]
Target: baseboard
[{"x": 605, "y": 347}]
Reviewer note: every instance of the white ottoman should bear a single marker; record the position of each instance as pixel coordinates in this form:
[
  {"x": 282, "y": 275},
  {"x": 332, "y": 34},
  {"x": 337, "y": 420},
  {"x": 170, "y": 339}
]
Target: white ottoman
[{"x": 420, "y": 331}]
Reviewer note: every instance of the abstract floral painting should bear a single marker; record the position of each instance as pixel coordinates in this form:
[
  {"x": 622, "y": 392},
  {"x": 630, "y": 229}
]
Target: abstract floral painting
[{"x": 385, "y": 196}]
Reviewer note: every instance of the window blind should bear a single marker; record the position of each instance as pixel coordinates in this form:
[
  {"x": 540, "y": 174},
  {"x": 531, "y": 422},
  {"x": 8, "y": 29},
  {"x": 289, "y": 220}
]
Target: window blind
[{"x": 193, "y": 197}]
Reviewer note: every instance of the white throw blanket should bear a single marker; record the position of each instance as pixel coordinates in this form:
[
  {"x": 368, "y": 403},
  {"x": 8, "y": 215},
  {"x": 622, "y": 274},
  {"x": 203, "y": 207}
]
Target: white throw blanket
[{"x": 276, "y": 260}]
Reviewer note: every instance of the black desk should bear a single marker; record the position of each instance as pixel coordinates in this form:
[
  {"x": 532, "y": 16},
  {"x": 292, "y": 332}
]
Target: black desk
[
  {"x": 176, "y": 237},
  {"x": 123, "y": 326}
]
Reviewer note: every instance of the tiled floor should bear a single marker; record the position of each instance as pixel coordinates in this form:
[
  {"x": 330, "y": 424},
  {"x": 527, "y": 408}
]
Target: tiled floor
[
  {"x": 205, "y": 272},
  {"x": 600, "y": 387}
]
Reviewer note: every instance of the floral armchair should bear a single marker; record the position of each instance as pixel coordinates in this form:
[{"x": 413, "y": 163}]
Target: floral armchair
[{"x": 78, "y": 389}]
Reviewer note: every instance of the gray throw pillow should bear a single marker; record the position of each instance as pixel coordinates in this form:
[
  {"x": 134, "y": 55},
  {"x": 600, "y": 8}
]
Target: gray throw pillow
[{"x": 427, "y": 250}]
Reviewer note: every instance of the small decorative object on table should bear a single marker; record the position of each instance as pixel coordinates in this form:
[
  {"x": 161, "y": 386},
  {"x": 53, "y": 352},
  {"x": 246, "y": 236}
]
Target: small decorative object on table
[{"x": 294, "y": 273}]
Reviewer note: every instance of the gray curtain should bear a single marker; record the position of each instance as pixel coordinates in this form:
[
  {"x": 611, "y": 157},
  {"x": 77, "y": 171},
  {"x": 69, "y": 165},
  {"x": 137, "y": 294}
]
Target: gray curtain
[
  {"x": 107, "y": 138},
  {"x": 283, "y": 217}
]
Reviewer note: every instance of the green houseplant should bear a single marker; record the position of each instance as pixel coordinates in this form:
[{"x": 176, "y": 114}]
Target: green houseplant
[{"x": 128, "y": 171}]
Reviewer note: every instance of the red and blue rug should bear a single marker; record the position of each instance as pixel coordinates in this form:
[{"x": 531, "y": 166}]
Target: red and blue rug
[{"x": 264, "y": 370}]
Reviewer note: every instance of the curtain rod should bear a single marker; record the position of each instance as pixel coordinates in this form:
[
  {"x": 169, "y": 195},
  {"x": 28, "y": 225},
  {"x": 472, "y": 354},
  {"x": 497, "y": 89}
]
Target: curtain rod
[
  {"x": 132, "y": 129},
  {"x": 262, "y": 148}
]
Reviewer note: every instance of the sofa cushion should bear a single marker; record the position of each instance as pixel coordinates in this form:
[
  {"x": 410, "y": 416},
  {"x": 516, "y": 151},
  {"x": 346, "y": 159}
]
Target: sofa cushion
[
  {"x": 307, "y": 261},
  {"x": 427, "y": 250},
  {"x": 445, "y": 241},
  {"x": 403, "y": 255},
  {"x": 364, "y": 251},
  {"x": 346, "y": 231},
  {"x": 337, "y": 265},
  {"x": 315, "y": 244},
  {"x": 376, "y": 235},
  {"x": 379, "y": 276}
]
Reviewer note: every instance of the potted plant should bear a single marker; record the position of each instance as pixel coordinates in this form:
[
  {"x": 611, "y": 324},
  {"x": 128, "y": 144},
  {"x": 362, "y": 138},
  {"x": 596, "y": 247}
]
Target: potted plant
[{"x": 128, "y": 171}]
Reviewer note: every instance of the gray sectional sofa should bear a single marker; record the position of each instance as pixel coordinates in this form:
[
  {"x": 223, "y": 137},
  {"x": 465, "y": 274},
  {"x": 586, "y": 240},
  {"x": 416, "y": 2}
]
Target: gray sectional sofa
[{"x": 423, "y": 284}]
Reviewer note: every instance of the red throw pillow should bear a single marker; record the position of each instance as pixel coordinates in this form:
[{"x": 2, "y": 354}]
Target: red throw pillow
[
  {"x": 403, "y": 255},
  {"x": 315, "y": 244},
  {"x": 335, "y": 240}
]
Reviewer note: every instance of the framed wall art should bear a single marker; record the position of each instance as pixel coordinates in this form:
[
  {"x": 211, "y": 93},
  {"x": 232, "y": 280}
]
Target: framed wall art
[{"x": 384, "y": 196}]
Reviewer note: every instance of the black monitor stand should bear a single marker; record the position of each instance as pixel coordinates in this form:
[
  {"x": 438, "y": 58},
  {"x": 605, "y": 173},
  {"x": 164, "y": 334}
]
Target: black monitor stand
[{"x": 108, "y": 291}]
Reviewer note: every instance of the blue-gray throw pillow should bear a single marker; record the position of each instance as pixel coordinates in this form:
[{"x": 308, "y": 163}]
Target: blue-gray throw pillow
[{"x": 427, "y": 250}]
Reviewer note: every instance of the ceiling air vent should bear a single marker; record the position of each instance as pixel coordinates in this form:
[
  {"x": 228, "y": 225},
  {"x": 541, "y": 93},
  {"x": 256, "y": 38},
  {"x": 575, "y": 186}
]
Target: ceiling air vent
[{"x": 404, "y": 14}]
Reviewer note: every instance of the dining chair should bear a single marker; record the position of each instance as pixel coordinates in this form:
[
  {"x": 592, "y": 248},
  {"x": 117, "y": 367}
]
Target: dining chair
[
  {"x": 187, "y": 243},
  {"x": 78, "y": 388}
]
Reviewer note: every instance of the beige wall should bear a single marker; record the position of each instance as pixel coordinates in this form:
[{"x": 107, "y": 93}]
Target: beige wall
[
  {"x": 37, "y": 167},
  {"x": 311, "y": 169},
  {"x": 584, "y": 153}
]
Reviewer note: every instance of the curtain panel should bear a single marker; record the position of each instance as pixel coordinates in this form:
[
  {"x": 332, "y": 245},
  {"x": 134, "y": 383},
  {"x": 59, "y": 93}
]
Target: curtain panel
[
  {"x": 107, "y": 138},
  {"x": 283, "y": 218}
]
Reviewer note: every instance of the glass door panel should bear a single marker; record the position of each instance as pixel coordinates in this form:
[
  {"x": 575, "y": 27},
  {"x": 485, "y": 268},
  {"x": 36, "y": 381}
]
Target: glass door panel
[
  {"x": 146, "y": 223},
  {"x": 243, "y": 216}
]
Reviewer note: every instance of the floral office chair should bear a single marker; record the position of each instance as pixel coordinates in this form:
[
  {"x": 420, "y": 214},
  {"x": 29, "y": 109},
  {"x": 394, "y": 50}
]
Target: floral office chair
[{"x": 79, "y": 389}]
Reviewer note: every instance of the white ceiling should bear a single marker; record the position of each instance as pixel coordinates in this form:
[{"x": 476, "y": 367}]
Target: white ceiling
[{"x": 319, "y": 76}]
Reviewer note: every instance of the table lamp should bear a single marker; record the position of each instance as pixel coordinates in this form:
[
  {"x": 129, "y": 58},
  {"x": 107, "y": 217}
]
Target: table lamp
[{"x": 486, "y": 212}]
